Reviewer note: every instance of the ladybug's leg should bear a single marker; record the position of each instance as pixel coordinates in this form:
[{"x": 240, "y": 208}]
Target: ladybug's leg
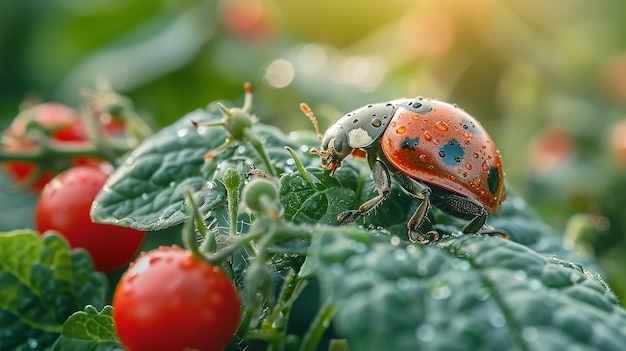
[
  {"x": 463, "y": 207},
  {"x": 419, "y": 191},
  {"x": 382, "y": 184}
]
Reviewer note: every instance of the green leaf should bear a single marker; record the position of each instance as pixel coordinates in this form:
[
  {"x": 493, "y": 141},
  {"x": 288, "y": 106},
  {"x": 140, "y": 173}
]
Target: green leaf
[
  {"x": 147, "y": 191},
  {"x": 89, "y": 330},
  {"x": 42, "y": 283},
  {"x": 466, "y": 293}
]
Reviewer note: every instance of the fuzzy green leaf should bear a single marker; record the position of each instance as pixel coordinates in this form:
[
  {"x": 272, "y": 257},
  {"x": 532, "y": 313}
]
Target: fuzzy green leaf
[
  {"x": 42, "y": 283},
  {"x": 89, "y": 330},
  {"x": 466, "y": 293},
  {"x": 147, "y": 191}
]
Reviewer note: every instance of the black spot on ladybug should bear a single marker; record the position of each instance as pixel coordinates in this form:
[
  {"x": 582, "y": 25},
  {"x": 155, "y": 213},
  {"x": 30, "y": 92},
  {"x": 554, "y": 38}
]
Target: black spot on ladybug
[
  {"x": 451, "y": 153},
  {"x": 493, "y": 179},
  {"x": 355, "y": 121},
  {"x": 419, "y": 106},
  {"x": 470, "y": 126},
  {"x": 410, "y": 143}
]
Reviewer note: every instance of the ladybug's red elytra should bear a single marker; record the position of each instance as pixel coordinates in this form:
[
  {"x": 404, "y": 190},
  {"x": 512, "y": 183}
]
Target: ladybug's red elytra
[{"x": 436, "y": 151}]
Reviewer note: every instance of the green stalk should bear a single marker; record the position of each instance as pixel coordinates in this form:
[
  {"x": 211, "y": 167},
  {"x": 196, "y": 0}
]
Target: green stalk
[
  {"x": 321, "y": 322},
  {"x": 258, "y": 146}
]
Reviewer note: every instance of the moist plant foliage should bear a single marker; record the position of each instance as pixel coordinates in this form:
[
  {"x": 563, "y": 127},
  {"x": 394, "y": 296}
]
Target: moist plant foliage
[{"x": 464, "y": 292}]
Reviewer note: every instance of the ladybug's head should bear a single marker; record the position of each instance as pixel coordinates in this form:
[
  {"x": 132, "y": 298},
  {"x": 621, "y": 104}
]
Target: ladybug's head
[
  {"x": 335, "y": 148},
  {"x": 359, "y": 129}
]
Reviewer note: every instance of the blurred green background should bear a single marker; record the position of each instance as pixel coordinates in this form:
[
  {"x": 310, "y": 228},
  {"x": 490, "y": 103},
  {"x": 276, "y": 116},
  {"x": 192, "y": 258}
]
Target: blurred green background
[{"x": 546, "y": 78}]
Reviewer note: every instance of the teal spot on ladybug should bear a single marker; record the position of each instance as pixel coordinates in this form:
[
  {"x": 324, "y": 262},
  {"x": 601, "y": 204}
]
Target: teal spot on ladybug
[
  {"x": 452, "y": 153},
  {"x": 410, "y": 143}
]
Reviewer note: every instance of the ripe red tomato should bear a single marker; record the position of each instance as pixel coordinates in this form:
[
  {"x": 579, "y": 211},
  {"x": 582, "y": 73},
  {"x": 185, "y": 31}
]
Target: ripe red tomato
[
  {"x": 64, "y": 206},
  {"x": 60, "y": 123},
  {"x": 170, "y": 300}
]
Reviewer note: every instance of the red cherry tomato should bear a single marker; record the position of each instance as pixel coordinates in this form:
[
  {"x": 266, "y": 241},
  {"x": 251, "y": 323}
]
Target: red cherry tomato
[
  {"x": 60, "y": 123},
  {"x": 64, "y": 206},
  {"x": 170, "y": 300}
]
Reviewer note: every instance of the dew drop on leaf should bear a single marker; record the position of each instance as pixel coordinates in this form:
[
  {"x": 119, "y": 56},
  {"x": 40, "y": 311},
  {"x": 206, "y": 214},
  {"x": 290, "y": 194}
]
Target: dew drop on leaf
[
  {"x": 497, "y": 320},
  {"x": 425, "y": 333}
]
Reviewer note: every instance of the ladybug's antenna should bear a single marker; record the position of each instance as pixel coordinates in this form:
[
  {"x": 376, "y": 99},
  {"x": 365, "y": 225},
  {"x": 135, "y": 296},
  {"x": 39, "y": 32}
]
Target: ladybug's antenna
[{"x": 309, "y": 113}]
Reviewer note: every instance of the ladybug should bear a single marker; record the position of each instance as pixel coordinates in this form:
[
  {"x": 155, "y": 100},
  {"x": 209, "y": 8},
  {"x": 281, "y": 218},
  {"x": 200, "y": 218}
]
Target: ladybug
[{"x": 436, "y": 151}]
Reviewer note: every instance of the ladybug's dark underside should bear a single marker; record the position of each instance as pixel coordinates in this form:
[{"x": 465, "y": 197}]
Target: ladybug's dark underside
[{"x": 436, "y": 151}]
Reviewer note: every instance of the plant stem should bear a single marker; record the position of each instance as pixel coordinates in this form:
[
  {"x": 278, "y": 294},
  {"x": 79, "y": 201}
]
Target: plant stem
[
  {"x": 258, "y": 146},
  {"x": 321, "y": 322}
]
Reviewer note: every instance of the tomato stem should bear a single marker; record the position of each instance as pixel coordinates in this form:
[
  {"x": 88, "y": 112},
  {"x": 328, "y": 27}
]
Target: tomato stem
[
  {"x": 258, "y": 146},
  {"x": 321, "y": 322},
  {"x": 232, "y": 180}
]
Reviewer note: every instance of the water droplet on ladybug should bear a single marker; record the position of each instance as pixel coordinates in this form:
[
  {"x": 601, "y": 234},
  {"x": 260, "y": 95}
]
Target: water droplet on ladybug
[
  {"x": 468, "y": 166},
  {"x": 442, "y": 126},
  {"x": 442, "y": 153},
  {"x": 393, "y": 124},
  {"x": 417, "y": 104},
  {"x": 464, "y": 174},
  {"x": 377, "y": 122},
  {"x": 422, "y": 157},
  {"x": 467, "y": 135},
  {"x": 485, "y": 166},
  {"x": 401, "y": 130},
  {"x": 476, "y": 155},
  {"x": 457, "y": 158},
  {"x": 416, "y": 117},
  {"x": 428, "y": 136},
  {"x": 476, "y": 183}
]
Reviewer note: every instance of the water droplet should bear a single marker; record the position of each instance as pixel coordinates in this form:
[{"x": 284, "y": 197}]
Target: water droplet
[
  {"x": 530, "y": 334},
  {"x": 393, "y": 124},
  {"x": 441, "y": 292},
  {"x": 497, "y": 320},
  {"x": 423, "y": 157},
  {"x": 425, "y": 333},
  {"x": 482, "y": 294},
  {"x": 457, "y": 158},
  {"x": 442, "y": 153},
  {"x": 467, "y": 135},
  {"x": 130, "y": 161},
  {"x": 395, "y": 241},
  {"x": 172, "y": 184},
  {"x": 535, "y": 284},
  {"x": 442, "y": 126},
  {"x": 520, "y": 275},
  {"x": 32, "y": 343},
  {"x": 416, "y": 117},
  {"x": 417, "y": 104},
  {"x": 376, "y": 122},
  {"x": 476, "y": 155},
  {"x": 145, "y": 196},
  {"x": 401, "y": 130},
  {"x": 476, "y": 183},
  {"x": 485, "y": 166},
  {"x": 181, "y": 132},
  {"x": 400, "y": 255},
  {"x": 428, "y": 136}
]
